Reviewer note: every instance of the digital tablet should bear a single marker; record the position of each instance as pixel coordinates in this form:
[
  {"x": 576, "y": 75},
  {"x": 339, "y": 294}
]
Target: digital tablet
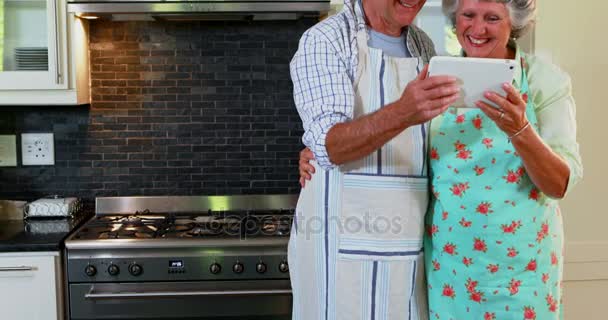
[{"x": 475, "y": 76}]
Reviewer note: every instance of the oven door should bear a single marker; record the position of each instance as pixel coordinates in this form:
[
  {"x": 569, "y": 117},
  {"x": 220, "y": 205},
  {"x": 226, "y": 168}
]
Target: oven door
[{"x": 267, "y": 299}]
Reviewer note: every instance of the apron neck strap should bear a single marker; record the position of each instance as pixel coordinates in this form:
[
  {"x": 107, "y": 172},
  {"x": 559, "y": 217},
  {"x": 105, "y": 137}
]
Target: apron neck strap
[{"x": 524, "y": 75}]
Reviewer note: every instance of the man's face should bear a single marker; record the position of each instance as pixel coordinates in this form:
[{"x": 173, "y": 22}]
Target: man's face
[{"x": 400, "y": 13}]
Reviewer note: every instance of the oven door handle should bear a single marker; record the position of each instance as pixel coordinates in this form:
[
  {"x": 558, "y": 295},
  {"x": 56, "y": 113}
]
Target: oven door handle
[{"x": 92, "y": 295}]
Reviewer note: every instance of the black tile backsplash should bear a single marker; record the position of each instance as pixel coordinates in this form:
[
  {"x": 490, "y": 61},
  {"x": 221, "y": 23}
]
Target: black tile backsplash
[{"x": 187, "y": 108}]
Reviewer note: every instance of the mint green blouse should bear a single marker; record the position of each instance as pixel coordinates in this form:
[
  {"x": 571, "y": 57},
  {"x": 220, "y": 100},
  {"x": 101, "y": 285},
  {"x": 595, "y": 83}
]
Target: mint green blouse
[{"x": 551, "y": 91}]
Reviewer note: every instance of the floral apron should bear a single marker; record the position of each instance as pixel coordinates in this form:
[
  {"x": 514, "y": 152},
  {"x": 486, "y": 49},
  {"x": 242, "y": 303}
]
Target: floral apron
[{"x": 494, "y": 241}]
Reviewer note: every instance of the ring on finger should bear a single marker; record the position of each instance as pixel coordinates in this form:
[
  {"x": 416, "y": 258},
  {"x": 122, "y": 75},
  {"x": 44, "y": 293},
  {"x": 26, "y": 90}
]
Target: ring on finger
[{"x": 502, "y": 114}]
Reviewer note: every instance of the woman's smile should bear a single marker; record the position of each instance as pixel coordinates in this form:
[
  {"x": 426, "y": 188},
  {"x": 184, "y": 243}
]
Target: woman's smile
[
  {"x": 477, "y": 41},
  {"x": 407, "y": 5}
]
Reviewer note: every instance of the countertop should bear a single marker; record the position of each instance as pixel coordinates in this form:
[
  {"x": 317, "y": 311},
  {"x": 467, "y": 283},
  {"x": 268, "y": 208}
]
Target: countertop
[{"x": 38, "y": 234}]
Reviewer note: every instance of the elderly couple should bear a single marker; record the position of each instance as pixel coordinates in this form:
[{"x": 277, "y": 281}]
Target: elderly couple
[{"x": 391, "y": 156}]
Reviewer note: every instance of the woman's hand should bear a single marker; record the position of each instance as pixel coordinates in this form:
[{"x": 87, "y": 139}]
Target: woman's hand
[
  {"x": 511, "y": 117},
  {"x": 306, "y": 169}
]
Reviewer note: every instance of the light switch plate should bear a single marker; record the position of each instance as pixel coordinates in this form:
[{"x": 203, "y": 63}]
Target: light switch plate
[
  {"x": 37, "y": 149},
  {"x": 8, "y": 150}
]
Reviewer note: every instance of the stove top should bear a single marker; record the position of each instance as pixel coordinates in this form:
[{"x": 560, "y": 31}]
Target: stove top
[
  {"x": 227, "y": 224},
  {"x": 181, "y": 239}
]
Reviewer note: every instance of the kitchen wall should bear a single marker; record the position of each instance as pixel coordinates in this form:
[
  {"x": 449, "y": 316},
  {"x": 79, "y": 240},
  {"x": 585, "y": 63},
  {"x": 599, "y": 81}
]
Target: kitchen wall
[
  {"x": 185, "y": 108},
  {"x": 570, "y": 33}
]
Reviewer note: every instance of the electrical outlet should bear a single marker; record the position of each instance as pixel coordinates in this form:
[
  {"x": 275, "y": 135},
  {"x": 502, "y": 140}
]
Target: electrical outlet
[{"x": 37, "y": 149}]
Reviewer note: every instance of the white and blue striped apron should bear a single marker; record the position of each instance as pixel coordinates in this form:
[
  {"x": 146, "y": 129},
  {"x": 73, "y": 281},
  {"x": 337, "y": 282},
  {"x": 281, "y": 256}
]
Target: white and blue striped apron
[{"x": 356, "y": 248}]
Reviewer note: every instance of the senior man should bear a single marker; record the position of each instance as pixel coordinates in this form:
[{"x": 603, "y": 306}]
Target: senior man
[{"x": 361, "y": 89}]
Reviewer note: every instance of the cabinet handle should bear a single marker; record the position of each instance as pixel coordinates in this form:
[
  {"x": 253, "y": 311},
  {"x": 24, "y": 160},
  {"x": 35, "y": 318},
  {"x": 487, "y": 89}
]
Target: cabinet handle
[
  {"x": 13, "y": 269},
  {"x": 57, "y": 49}
]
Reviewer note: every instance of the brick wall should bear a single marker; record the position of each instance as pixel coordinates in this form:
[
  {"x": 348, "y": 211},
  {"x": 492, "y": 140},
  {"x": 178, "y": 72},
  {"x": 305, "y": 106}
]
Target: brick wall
[{"x": 188, "y": 108}]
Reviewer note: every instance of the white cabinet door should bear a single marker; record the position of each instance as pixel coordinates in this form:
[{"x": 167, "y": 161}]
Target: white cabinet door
[
  {"x": 43, "y": 54},
  {"x": 34, "y": 46},
  {"x": 30, "y": 286}
]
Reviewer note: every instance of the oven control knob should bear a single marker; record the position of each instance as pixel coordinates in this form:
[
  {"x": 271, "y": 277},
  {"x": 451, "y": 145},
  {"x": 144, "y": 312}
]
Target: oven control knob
[
  {"x": 135, "y": 269},
  {"x": 215, "y": 268},
  {"x": 283, "y": 266},
  {"x": 238, "y": 267},
  {"x": 260, "y": 267},
  {"x": 90, "y": 270},
  {"x": 113, "y": 270}
]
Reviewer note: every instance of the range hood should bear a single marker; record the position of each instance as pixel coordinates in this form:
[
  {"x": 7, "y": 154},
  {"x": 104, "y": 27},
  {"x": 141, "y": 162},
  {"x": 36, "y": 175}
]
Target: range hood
[{"x": 199, "y": 9}]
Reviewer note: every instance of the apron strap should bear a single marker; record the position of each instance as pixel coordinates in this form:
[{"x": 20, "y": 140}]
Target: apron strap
[{"x": 524, "y": 76}]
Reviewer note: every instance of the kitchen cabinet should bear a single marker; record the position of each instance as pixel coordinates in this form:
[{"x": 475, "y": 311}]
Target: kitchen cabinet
[
  {"x": 43, "y": 54},
  {"x": 31, "y": 286}
]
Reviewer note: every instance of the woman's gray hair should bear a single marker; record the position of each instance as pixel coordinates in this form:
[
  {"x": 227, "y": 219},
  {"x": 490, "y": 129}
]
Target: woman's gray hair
[{"x": 522, "y": 12}]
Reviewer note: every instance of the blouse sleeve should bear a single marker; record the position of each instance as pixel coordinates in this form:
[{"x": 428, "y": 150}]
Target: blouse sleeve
[
  {"x": 323, "y": 92},
  {"x": 551, "y": 91}
]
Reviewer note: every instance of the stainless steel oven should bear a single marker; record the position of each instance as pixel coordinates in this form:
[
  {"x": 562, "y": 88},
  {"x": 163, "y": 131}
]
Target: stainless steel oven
[{"x": 136, "y": 261}]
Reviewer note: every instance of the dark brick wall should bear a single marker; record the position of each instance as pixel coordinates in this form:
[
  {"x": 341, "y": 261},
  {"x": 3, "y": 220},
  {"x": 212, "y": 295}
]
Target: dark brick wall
[{"x": 188, "y": 108}]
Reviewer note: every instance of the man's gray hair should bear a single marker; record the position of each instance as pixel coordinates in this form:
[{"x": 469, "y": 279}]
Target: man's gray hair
[{"x": 522, "y": 12}]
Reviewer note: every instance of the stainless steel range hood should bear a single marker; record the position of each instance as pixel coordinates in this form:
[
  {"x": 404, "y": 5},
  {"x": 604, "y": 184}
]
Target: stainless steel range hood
[{"x": 200, "y": 9}]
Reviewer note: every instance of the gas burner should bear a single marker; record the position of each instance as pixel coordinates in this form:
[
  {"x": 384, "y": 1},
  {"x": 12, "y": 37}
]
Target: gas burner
[
  {"x": 137, "y": 220},
  {"x": 275, "y": 228},
  {"x": 126, "y": 234},
  {"x": 120, "y": 228},
  {"x": 203, "y": 230},
  {"x": 213, "y": 227},
  {"x": 132, "y": 220},
  {"x": 269, "y": 227},
  {"x": 180, "y": 227},
  {"x": 275, "y": 225},
  {"x": 174, "y": 230}
]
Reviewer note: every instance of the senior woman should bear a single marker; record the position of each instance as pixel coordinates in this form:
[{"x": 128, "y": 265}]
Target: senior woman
[{"x": 494, "y": 231}]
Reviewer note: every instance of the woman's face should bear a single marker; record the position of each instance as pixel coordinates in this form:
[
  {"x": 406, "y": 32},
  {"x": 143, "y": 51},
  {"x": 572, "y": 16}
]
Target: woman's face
[{"x": 483, "y": 28}]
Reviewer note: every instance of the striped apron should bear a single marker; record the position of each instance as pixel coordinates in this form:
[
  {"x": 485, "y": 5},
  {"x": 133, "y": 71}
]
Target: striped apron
[{"x": 355, "y": 251}]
